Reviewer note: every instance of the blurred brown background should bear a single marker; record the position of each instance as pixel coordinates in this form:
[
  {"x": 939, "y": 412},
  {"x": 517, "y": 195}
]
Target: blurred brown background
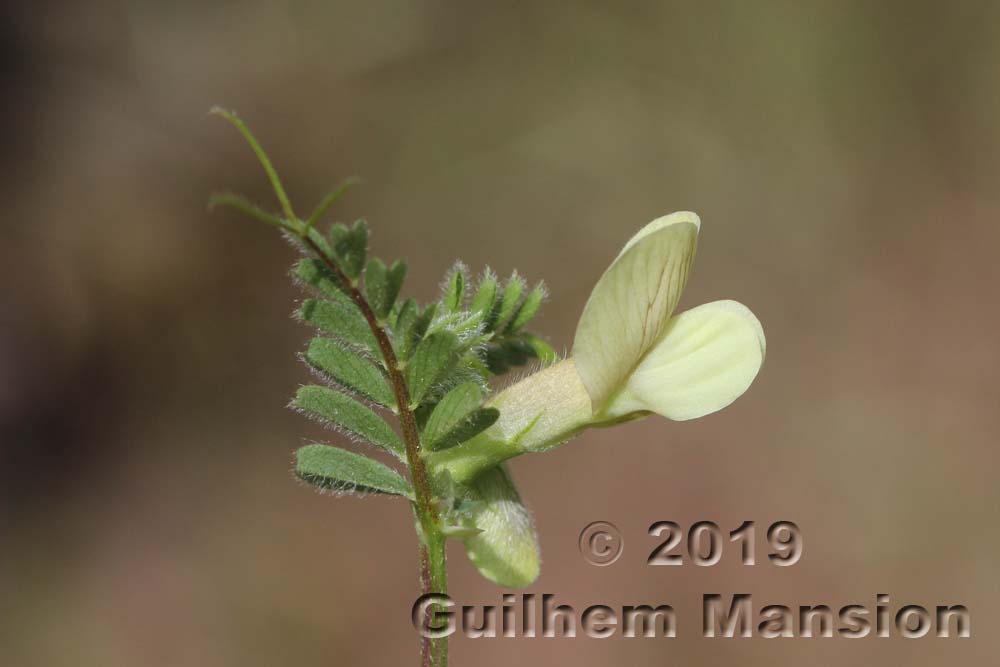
[{"x": 844, "y": 157}]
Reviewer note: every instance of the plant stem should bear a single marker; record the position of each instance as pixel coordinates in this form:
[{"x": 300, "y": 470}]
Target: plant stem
[
  {"x": 434, "y": 576},
  {"x": 437, "y": 575},
  {"x": 433, "y": 556}
]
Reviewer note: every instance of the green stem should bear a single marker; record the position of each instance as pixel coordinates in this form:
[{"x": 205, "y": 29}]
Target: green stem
[
  {"x": 438, "y": 583},
  {"x": 434, "y": 576}
]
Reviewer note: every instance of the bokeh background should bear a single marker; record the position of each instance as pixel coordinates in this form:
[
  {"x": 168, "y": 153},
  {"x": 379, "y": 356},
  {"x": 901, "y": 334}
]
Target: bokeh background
[{"x": 844, "y": 157}]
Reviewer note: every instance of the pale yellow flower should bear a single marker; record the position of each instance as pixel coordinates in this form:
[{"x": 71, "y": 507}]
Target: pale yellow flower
[{"x": 632, "y": 356}]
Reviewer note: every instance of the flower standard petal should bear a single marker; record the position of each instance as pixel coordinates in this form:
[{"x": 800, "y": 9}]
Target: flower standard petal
[
  {"x": 707, "y": 357},
  {"x": 632, "y": 302}
]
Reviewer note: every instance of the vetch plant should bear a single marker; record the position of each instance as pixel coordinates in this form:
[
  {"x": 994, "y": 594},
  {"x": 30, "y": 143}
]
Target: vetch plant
[{"x": 413, "y": 379}]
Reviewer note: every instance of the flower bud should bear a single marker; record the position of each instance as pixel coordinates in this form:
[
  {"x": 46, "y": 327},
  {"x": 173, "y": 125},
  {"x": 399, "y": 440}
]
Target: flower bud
[{"x": 506, "y": 551}]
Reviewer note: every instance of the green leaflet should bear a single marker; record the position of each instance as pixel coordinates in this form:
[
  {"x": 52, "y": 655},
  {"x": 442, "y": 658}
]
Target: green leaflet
[
  {"x": 314, "y": 273},
  {"x": 485, "y": 296},
  {"x": 507, "y": 353},
  {"x": 467, "y": 326},
  {"x": 319, "y": 240},
  {"x": 350, "y": 247},
  {"x": 468, "y": 369},
  {"x": 421, "y": 323},
  {"x": 472, "y": 425},
  {"x": 454, "y": 291},
  {"x": 424, "y": 320},
  {"x": 404, "y": 314},
  {"x": 509, "y": 301},
  {"x": 394, "y": 283},
  {"x": 401, "y": 331},
  {"x": 434, "y": 357},
  {"x": 528, "y": 309},
  {"x": 544, "y": 352},
  {"x": 341, "y": 319},
  {"x": 354, "y": 417},
  {"x": 458, "y": 417},
  {"x": 376, "y": 277},
  {"x": 340, "y": 470},
  {"x": 382, "y": 286},
  {"x": 350, "y": 370},
  {"x": 410, "y": 326}
]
